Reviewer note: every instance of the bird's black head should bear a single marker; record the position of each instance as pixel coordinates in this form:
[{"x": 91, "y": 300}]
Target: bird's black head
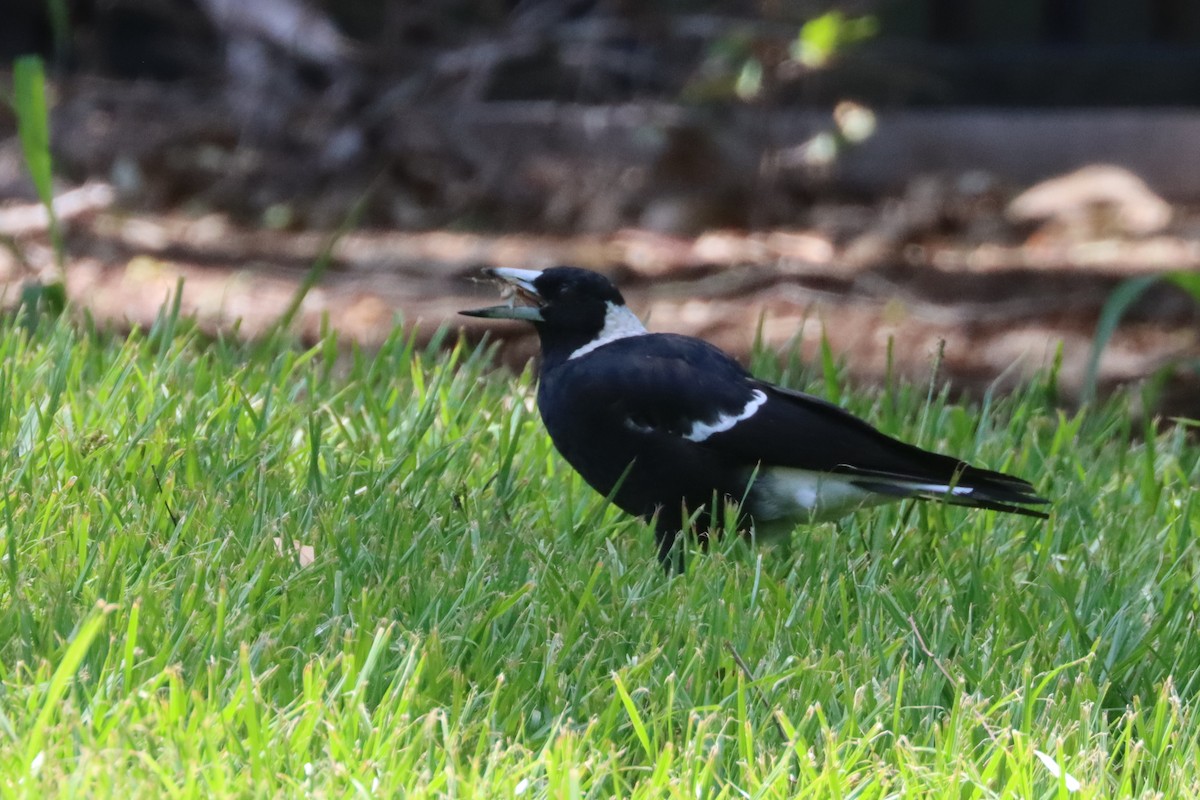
[{"x": 570, "y": 307}]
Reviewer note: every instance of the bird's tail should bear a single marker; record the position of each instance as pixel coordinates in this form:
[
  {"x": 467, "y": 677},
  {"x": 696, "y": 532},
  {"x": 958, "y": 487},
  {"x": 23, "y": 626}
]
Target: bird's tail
[{"x": 969, "y": 486}]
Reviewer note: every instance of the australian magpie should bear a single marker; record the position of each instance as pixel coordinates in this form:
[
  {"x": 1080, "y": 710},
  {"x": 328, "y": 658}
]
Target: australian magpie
[{"x": 665, "y": 424}]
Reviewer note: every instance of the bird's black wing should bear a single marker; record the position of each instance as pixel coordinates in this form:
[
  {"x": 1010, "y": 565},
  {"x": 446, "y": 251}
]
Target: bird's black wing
[
  {"x": 685, "y": 391},
  {"x": 660, "y": 385},
  {"x": 631, "y": 416},
  {"x": 793, "y": 429}
]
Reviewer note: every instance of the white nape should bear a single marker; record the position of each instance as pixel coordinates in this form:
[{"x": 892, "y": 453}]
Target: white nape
[
  {"x": 619, "y": 323},
  {"x": 702, "y": 430}
]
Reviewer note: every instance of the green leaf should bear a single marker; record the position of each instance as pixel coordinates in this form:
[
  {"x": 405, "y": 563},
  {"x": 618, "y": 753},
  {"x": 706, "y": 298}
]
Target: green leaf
[
  {"x": 60, "y": 23},
  {"x": 60, "y": 681},
  {"x": 818, "y": 39},
  {"x": 829, "y": 370},
  {"x": 749, "y": 80},
  {"x": 822, "y": 37},
  {"x": 1114, "y": 310},
  {"x": 1110, "y": 317},
  {"x": 41, "y": 300},
  {"x": 33, "y": 127},
  {"x": 1186, "y": 280},
  {"x": 639, "y": 727}
]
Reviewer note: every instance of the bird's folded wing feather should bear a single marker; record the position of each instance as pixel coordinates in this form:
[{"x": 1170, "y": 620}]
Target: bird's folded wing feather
[
  {"x": 678, "y": 389},
  {"x": 686, "y": 389},
  {"x": 675, "y": 386}
]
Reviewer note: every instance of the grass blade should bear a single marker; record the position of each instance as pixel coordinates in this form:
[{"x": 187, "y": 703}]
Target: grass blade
[
  {"x": 1124, "y": 296},
  {"x": 60, "y": 681}
]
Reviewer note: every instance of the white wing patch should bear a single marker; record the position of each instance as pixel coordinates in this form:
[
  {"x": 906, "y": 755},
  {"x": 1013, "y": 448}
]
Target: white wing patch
[
  {"x": 702, "y": 430},
  {"x": 619, "y": 323}
]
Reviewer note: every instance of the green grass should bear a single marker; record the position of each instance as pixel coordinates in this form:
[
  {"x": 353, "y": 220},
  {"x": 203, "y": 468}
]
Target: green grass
[{"x": 476, "y": 622}]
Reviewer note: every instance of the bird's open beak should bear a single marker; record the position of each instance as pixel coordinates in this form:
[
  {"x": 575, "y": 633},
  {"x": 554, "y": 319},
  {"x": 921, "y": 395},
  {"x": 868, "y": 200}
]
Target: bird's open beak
[{"x": 515, "y": 284}]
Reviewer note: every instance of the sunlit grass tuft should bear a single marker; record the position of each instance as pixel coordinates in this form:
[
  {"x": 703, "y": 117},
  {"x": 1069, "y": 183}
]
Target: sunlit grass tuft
[{"x": 474, "y": 621}]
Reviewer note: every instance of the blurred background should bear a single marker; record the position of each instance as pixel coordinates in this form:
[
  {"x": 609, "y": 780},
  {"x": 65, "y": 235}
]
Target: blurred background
[{"x": 964, "y": 183}]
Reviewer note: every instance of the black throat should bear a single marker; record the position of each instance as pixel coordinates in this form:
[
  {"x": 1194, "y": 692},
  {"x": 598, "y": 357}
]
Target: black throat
[{"x": 558, "y": 344}]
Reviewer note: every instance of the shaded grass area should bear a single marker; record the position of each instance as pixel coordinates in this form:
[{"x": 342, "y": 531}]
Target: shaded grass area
[{"x": 475, "y": 621}]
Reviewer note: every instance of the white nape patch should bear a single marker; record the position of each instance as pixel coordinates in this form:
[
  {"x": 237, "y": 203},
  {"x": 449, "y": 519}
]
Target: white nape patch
[
  {"x": 702, "y": 430},
  {"x": 619, "y": 323}
]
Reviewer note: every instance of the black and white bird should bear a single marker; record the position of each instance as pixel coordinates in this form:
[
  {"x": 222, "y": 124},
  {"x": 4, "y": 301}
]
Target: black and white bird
[{"x": 665, "y": 424}]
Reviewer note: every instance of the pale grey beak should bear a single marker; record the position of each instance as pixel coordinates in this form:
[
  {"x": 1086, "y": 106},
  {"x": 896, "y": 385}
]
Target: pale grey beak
[{"x": 518, "y": 283}]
